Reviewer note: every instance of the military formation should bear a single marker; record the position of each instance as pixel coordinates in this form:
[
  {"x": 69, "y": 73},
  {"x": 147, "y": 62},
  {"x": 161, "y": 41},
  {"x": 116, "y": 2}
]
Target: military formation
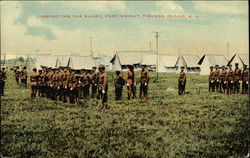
[
  {"x": 66, "y": 85},
  {"x": 229, "y": 80}
]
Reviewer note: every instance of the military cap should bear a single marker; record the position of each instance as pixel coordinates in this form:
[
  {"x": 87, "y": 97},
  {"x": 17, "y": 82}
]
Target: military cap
[
  {"x": 216, "y": 65},
  {"x": 236, "y": 63},
  {"x": 102, "y": 67},
  {"x": 211, "y": 66},
  {"x": 182, "y": 67}
]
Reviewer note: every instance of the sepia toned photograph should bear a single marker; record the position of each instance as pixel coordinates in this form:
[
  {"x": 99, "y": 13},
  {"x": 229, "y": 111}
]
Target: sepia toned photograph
[{"x": 124, "y": 79}]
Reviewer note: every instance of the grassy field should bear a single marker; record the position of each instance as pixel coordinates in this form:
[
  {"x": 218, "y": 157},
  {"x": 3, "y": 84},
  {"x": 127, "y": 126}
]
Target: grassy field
[{"x": 199, "y": 124}]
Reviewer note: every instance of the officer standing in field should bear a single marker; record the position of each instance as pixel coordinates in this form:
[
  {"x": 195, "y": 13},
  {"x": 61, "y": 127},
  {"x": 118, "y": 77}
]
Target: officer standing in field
[
  {"x": 24, "y": 76},
  {"x": 130, "y": 81},
  {"x": 211, "y": 83},
  {"x": 182, "y": 81},
  {"x": 144, "y": 83},
  {"x": 230, "y": 80},
  {"x": 223, "y": 80},
  {"x": 3, "y": 78},
  {"x": 33, "y": 83},
  {"x": 40, "y": 80},
  {"x": 217, "y": 77},
  {"x": 245, "y": 79},
  {"x": 94, "y": 83},
  {"x": 17, "y": 74},
  {"x": 237, "y": 77},
  {"x": 103, "y": 86},
  {"x": 119, "y": 82}
]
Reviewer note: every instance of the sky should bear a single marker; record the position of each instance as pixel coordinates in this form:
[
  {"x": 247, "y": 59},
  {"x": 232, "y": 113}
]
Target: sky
[{"x": 204, "y": 27}]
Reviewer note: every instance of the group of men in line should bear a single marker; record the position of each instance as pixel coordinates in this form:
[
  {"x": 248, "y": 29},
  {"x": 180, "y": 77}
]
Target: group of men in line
[
  {"x": 227, "y": 80},
  {"x": 21, "y": 74},
  {"x": 64, "y": 84}
]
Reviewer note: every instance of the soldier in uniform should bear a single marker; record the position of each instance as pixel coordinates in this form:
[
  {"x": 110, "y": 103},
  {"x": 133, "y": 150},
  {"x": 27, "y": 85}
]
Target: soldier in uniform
[
  {"x": 223, "y": 80},
  {"x": 130, "y": 81},
  {"x": 103, "y": 86},
  {"x": 94, "y": 82},
  {"x": 33, "y": 83},
  {"x": 39, "y": 84},
  {"x": 24, "y": 76},
  {"x": 182, "y": 81},
  {"x": 3, "y": 79},
  {"x": 217, "y": 77},
  {"x": 245, "y": 79},
  {"x": 237, "y": 77},
  {"x": 119, "y": 82},
  {"x": 230, "y": 79},
  {"x": 144, "y": 83},
  {"x": 211, "y": 85},
  {"x": 17, "y": 73},
  {"x": 87, "y": 85}
]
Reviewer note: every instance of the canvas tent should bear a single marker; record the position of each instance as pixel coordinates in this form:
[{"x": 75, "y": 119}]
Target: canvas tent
[
  {"x": 242, "y": 59},
  {"x": 208, "y": 60},
  {"x": 45, "y": 60},
  {"x": 122, "y": 59},
  {"x": 166, "y": 62},
  {"x": 63, "y": 60},
  {"x": 103, "y": 60},
  {"x": 81, "y": 62},
  {"x": 190, "y": 63}
]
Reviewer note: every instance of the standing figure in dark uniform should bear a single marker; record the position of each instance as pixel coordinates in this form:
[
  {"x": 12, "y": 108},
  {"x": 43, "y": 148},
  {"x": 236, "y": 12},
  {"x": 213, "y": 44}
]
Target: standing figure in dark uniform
[
  {"x": 33, "y": 83},
  {"x": 230, "y": 80},
  {"x": 130, "y": 80},
  {"x": 237, "y": 75},
  {"x": 182, "y": 81},
  {"x": 3, "y": 79},
  {"x": 217, "y": 77},
  {"x": 24, "y": 77},
  {"x": 144, "y": 83},
  {"x": 245, "y": 79},
  {"x": 94, "y": 83},
  {"x": 17, "y": 74},
  {"x": 223, "y": 80},
  {"x": 211, "y": 84},
  {"x": 103, "y": 86},
  {"x": 119, "y": 83}
]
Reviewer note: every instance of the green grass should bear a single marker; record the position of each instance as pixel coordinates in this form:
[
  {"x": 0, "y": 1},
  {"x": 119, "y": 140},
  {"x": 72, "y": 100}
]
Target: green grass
[{"x": 199, "y": 124}]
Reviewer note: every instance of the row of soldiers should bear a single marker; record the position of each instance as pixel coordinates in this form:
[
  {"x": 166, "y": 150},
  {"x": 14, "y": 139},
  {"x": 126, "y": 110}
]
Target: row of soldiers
[
  {"x": 65, "y": 85},
  {"x": 228, "y": 80}
]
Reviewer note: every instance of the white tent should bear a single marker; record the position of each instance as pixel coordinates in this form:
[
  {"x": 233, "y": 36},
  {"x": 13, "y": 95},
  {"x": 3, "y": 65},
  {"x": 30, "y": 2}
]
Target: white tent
[
  {"x": 166, "y": 63},
  {"x": 124, "y": 58},
  {"x": 81, "y": 62},
  {"x": 45, "y": 60},
  {"x": 63, "y": 60},
  {"x": 242, "y": 59},
  {"x": 103, "y": 60},
  {"x": 190, "y": 63},
  {"x": 208, "y": 60}
]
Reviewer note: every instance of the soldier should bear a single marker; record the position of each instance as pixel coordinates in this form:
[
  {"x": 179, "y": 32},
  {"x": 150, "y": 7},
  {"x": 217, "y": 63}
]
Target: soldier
[
  {"x": 130, "y": 81},
  {"x": 237, "y": 75},
  {"x": 87, "y": 83},
  {"x": 245, "y": 79},
  {"x": 40, "y": 82},
  {"x": 211, "y": 85},
  {"x": 17, "y": 73},
  {"x": 230, "y": 79},
  {"x": 103, "y": 86},
  {"x": 119, "y": 82},
  {"x": 182, "y": 81},
  {"x": 72, "y": 88},
  {"x": 144, "y": 83},
  {"x": 94, "y": 82},
  {"x": 3, "y": 78},
  {"x": 65, "y": 85},
  {"x": 217, "y": 77},
  {"x": 33, "y": 83},
  {"x": 24, "y": 76},
  {"x": 223, "y": 80}
]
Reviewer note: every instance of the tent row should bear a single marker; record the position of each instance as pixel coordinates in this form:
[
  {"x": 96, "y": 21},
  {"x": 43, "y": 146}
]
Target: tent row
[
  {"x": 171, "y": 64},
  {"x": 75, "y": 62}
]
